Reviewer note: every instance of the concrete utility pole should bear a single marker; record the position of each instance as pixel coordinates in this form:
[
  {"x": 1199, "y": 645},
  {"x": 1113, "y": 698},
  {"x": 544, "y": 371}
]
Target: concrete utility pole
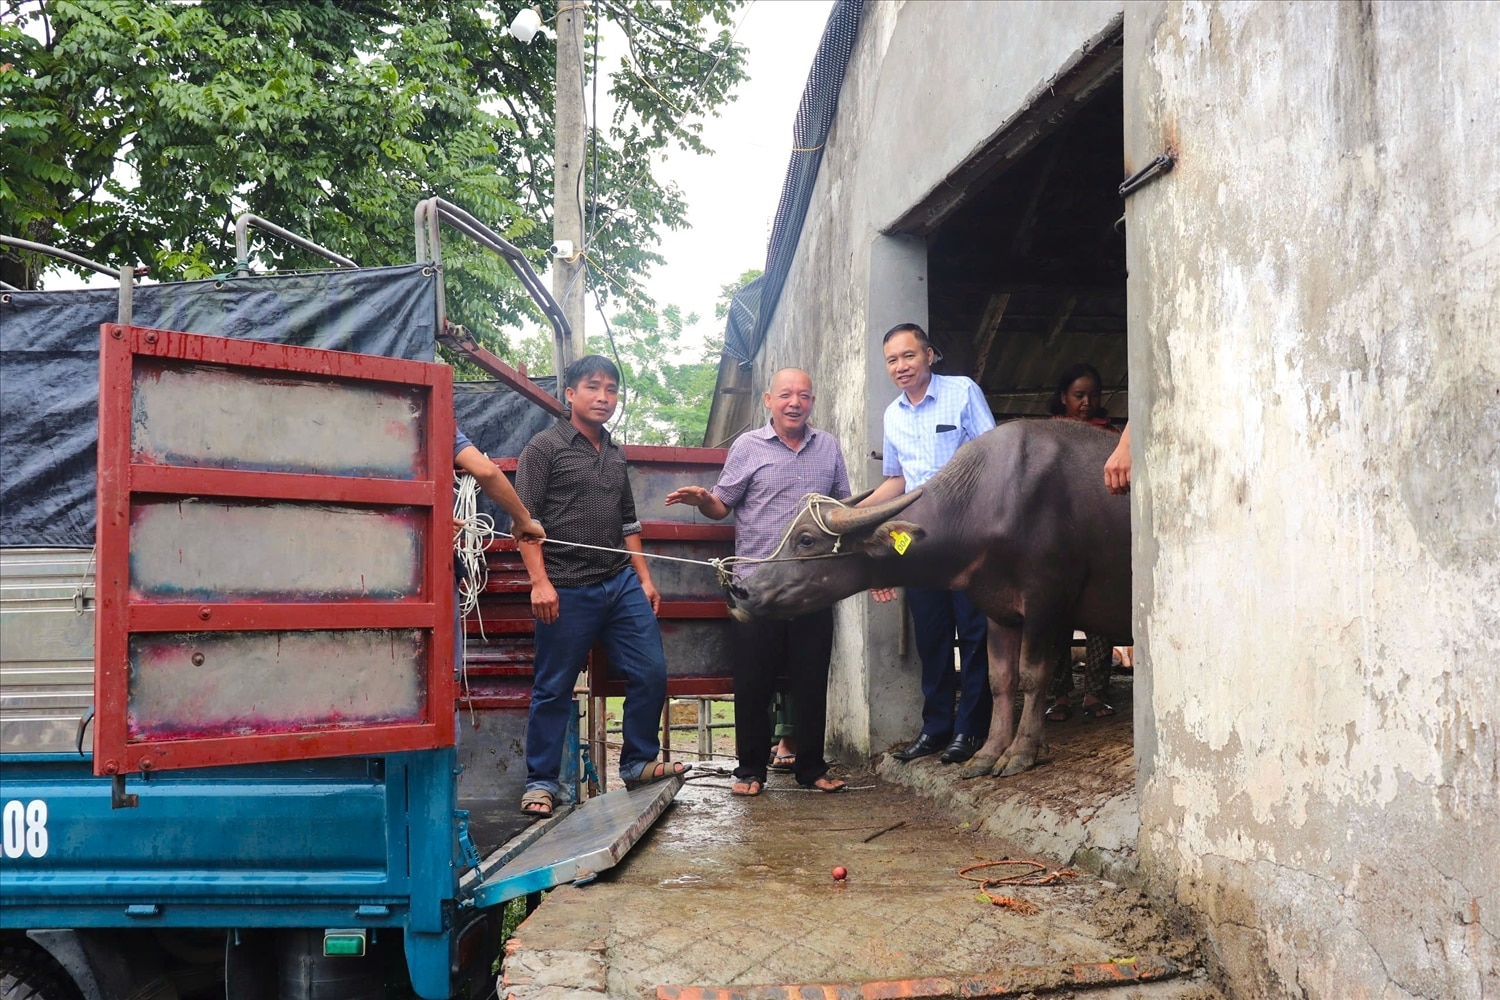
[{"x": 571, "y": 148}]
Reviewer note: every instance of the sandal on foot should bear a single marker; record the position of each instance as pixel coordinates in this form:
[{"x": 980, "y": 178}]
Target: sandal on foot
[
  {"x": 1060, "y": 711},
  {"x": 658, "y": 771},
  {"x": 825, "y": 784},
  {"x": 1099, "y": 710},
  {"x": 747, "y": 788},
  {"x": 537, "y": 803},
  {"x": 783, "y": 762}
]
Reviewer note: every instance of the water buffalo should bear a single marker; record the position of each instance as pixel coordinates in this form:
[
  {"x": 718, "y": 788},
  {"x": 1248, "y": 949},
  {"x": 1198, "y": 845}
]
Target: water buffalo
[{"x": 1020, "y": 518}]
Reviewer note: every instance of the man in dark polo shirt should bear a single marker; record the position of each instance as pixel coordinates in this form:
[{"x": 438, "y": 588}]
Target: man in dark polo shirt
[
  {"x": 572, "y": 477},
  {"x": 766, "y": 474}
]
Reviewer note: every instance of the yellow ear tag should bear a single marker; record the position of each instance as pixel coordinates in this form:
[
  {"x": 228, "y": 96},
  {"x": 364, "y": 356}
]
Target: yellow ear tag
[{"x": 900, "y": 541}]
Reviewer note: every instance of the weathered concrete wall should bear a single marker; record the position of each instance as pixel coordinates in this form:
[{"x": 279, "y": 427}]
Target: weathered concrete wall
[
  {"x": 928, "y": 85},
  {"x": 1315, "y": 400}
]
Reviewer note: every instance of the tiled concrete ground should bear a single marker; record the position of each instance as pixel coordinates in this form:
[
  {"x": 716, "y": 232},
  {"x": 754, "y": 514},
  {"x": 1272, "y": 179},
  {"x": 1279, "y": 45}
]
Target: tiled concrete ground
[{"x": 732, "y": 892}]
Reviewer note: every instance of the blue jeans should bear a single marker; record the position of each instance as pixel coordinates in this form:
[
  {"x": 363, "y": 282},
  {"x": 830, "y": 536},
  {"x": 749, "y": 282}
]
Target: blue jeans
[
  {"x": 936, "y": 615},
  {"x": 617, "y": 614}
]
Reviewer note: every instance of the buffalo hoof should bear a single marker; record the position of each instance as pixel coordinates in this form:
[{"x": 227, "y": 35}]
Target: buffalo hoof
[
  {"x": 1007, "y": 766},
  {"x": 979, "y": 767}
]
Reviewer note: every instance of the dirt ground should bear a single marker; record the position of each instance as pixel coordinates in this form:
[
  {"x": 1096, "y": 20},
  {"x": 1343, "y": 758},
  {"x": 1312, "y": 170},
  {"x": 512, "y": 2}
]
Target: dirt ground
[{"x": 685, "y": 743}]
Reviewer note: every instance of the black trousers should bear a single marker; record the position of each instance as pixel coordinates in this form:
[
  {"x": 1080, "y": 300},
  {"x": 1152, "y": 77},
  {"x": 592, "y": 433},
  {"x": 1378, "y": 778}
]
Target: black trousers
[
  {"x": 798, "y": 648},
  {"x": 936, "y": 616}
]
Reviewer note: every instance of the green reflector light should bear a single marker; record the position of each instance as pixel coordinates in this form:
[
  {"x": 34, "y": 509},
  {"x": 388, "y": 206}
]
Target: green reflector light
[{"x": 344, "y": 943}]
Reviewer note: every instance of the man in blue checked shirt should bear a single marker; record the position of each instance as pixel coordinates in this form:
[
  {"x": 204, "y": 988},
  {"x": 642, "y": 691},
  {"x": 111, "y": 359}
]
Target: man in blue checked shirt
[{"x": 924, "y": 426}]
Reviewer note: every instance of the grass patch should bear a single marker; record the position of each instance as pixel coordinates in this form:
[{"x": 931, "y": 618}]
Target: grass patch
[{"x": 720, "y": 711}]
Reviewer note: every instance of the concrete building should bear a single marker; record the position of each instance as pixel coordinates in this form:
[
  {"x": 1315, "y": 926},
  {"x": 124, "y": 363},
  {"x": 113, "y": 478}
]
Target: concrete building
[{"x": 1299, "y": 321}]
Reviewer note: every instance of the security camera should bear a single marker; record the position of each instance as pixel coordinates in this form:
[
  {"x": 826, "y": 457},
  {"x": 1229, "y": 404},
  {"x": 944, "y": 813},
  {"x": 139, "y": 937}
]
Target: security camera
[{"x": 562, "y": 248}]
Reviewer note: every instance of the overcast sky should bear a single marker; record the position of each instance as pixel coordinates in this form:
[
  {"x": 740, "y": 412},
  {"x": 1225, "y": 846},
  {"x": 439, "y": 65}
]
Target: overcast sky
[{"x": 732, "y": 195}]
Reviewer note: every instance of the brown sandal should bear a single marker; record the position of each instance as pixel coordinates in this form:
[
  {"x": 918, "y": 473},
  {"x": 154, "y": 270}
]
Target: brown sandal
[
  {"x": 658, "y": 771},
  {"x": 537, "y": 804}
]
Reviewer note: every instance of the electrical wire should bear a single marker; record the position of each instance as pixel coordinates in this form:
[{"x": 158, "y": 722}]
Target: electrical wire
[
  {"x": 621, "y": 420},
  {"x": 621, "y": 424},
  {"x": 645, "y": 169},
  {"x": 593, "y": 228}
]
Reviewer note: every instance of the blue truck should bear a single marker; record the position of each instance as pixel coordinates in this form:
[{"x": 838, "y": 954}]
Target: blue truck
[{"x": 328, "y": 873}]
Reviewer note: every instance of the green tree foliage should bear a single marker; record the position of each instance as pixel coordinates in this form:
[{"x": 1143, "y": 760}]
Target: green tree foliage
[
  {"x": 666, "y": 399},
  {"x": 665, "y": 390},
  {"x": 139, "y": 129}
]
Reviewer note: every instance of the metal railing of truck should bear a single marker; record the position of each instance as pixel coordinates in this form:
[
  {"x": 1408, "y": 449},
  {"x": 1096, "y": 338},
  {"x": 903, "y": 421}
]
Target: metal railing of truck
[
  {"x": 427, "y": 219},
  {"x": 125, "y": 273},
  {"x": 242, "y": 243},
  {"x": 427, "y": 222}
]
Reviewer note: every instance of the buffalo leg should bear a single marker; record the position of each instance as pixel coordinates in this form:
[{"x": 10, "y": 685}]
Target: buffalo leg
[
  {"x": 1039, "y": 649},
  {"x": 1005, "y": 654}
]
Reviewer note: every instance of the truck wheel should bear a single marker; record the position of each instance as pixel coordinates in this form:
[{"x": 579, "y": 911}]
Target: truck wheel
[{"x": 29, "y": 973}]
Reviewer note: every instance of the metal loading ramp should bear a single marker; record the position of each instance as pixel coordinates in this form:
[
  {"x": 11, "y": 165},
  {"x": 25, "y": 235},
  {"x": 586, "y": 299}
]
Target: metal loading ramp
[{"x": 570, "y": 848}]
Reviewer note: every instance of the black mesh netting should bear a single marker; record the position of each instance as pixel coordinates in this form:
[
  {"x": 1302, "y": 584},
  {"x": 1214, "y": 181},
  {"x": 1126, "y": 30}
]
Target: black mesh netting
[{"x": 754, "y": 304}]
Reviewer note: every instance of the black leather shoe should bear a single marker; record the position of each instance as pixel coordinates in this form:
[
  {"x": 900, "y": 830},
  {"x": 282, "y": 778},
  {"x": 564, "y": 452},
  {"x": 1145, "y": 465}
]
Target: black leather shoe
[
  {"x": 920, "y": 747},
  {"x": 961, "y": 749}
]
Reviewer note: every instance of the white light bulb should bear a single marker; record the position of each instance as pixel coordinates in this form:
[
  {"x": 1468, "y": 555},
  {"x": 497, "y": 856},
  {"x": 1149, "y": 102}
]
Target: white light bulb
[{"x": 525, "y": 25}]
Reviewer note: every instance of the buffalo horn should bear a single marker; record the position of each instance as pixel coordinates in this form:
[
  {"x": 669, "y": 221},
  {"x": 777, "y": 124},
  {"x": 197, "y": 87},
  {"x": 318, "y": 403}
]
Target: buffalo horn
[{"x": 847, "y": 520}]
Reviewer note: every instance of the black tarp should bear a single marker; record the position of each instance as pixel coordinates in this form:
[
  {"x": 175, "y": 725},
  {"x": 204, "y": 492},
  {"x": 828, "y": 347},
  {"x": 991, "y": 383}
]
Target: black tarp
[
  {"x": 499, "y": 421},
  {"x": 49, "y": 371}
]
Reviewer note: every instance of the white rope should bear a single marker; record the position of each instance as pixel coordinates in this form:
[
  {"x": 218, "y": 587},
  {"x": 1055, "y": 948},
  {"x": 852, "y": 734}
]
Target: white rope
[
  {"x": 470, "y": 541},
  {"x": 811, "y": 502}
]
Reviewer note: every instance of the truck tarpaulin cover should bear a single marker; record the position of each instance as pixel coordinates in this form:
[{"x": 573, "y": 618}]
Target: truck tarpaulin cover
[
  {"x": 49, "y": 367},
  {"x": 500, "y": 421}
]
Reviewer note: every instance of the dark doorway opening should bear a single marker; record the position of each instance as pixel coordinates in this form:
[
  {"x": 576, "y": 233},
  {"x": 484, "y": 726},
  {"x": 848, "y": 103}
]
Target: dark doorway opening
[{"x": 1027, "y": 275}]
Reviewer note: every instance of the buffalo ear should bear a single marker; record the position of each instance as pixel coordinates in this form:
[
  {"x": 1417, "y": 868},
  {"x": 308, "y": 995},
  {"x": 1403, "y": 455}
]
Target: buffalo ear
[{"x": 894, "y": 538}]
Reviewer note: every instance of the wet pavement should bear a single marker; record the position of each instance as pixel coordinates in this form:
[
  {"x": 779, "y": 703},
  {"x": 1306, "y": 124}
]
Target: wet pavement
[{"x": 734, "y": 899}]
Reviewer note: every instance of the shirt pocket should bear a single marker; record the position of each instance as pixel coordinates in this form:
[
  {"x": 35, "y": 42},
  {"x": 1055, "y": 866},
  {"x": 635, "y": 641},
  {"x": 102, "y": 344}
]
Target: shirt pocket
[
  {"x": 945, "y": 442},
  {"x": 615, "y": 475}
]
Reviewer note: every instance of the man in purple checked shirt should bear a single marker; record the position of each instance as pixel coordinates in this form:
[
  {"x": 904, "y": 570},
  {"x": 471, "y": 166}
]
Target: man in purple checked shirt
[{"x": 765, "y": 477}]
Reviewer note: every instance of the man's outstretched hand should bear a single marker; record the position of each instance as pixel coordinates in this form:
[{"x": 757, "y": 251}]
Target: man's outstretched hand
[{"x": 1117, "y": 468}]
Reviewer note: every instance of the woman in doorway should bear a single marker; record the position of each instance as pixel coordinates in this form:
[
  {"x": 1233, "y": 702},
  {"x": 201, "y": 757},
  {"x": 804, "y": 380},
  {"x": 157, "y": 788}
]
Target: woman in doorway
[{"x": 1077, "y": 397}]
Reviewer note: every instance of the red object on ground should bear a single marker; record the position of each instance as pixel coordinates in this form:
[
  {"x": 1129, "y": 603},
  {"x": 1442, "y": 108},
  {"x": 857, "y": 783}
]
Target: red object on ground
[{"x": 840, "y": 873}]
